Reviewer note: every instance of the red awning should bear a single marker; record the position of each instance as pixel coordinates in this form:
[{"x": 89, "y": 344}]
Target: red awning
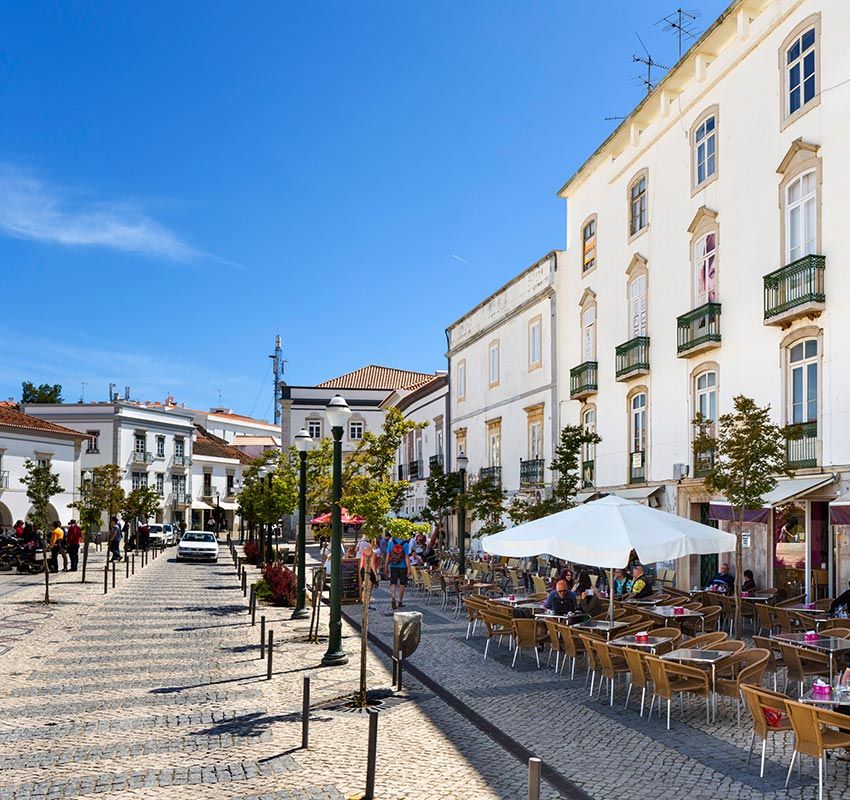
[{"x": 347, "y": 519}]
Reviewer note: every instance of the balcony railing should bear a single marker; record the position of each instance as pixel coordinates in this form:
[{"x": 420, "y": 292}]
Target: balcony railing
[
  {"x": 637, "y": 467},
  {"x": 801, "y": 447},
  {"x": 588, "y": 473},
  {"x": 434, "y": 462},
  {"x": 491, "y": 473},
  {"x": 699, "y": 329},
  {"x": 159, "y": 456},
  {"x": 141, "y": 458},
  {"x": 402, "y": 472},
  {"x": 632, "y": 357},
  {"x": 183, "y": 498},
  {"x": 4, "y": 479},
  {"x": 583, "y": 380},
  {"x": 181, "y": 461},
  {"x": 207, "y": 492},
  {"x": 415, "y": 471},
  {"x": 703, "y": 463},
  {"x": 531, "y": 472},
  {"x": 794, "y": 291}
]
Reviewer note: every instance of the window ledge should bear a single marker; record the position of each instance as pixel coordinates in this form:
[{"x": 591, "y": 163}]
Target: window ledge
[
  {"x": 705, "y": 184},
  {"x": 640, "y": 233},
  {"x": 586, "y": 272},
  {"x": 800, "y": 112}
]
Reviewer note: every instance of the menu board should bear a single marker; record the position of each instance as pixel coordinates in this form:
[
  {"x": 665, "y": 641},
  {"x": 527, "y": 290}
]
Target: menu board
[{"x": 350, "y": 586}]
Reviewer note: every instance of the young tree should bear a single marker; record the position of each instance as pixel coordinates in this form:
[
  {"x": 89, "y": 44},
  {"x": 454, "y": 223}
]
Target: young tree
[
  {"x": 441, "y": 489},
  {"x": 484, "y": 499},
  {"x": 140, "y": 504},
  {"x": 749, "y": 452},
  {"x": 43, "y": 393},
  {"x": 42, "y": 484},
  {"x": 567, "y": 466},
  {"x": 261, "y": 503}
]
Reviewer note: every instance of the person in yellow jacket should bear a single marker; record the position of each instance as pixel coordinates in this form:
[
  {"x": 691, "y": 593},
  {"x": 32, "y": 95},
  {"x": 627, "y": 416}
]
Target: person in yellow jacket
[{"x": 57, "y": 546}]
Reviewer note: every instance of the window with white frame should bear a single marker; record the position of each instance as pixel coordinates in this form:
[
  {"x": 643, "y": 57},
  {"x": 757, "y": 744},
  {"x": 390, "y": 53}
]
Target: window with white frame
[
  {"x": 637, "y": 305},
  {"x": 230, "y": 483},
  {"x": 179, "y": 446},
  {"x": 43, "y": 462},
  {"x": 160, "y": 484},
  {"x": 140, "y": 443},
  {"x": 638, "y": 423},
  {"x": 588, "y": 245},
  {"x": 705, "y": 397},
  {"x": 494, "y": 442},
  {"x": 314, "y": 428},
  {"x": 93, "y": 441},
  {"x": 139, "y": 480},
  {"x": 461, "y": 380},
  {"x": 803, "y": 365},
  {"x": 588, "y": 424},
  {"x": 705, "y": 150},
  {"x": 801, "y": 216},
  {"x": 637, "y": 205},
  {"x": 174, "y": 484},
  {"x": 493, "y": 362},
  {"x": 535, "y": 354},
  {"x": 535, "y": 438},
  {"x": 801, "y": 71},
  {"x": 160, "y": 447},
  {"x": 355, "y": 430},
  {"x": 588, "y": 334},
  {"x": 705, "y": 269}
]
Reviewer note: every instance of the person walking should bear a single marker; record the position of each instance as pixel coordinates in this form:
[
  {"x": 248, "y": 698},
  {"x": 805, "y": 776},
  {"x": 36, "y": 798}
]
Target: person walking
[
  {"x": 115, "y": 539},
  {"x": 396, "y": 564},
  {"x": 144, "y": 534},
  {"x": 73, "y": 539},
  {"x": 57, "y": 546}
]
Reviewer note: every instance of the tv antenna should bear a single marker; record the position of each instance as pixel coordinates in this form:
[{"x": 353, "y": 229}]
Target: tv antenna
[
  {"x": 650, "y": 62},
  {"x": 683, "y": 23}
]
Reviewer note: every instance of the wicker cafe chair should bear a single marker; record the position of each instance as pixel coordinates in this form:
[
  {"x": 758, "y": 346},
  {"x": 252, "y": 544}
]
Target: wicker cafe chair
[
  {"x": 801, "y": 664},
  {"x": 611, "y": 663},
  {"x": 556, "y": 644},
  {"x": 838, "y": 633},
  {"x": 769, "y": 717},
  {"x": 639, "y": 674},
  {"x": 589, "y": 643},
  {"x": 473, "y": 611},
  {"x": 775, "y": 661},
  {"x": 816, "y": 731},
  {"x": 766, "y": 619},
  {"x": 573, "y": 647},
  {"x": 429, "y": 587},
  {"x": 675, "y": 639},
  {"x": 669, "y": 678},
  {"x": 706, "y": 641},
  {"x": 496, "y": 623},
  {"x": 526, "y": 635},
  {"x": 729, "y": 646},
  {"x": 742, "y": 668}
]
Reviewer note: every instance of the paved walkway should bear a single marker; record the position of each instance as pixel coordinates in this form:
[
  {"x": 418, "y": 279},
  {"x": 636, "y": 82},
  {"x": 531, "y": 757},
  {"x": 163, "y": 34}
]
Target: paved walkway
[{"x": 156, "y": 691}]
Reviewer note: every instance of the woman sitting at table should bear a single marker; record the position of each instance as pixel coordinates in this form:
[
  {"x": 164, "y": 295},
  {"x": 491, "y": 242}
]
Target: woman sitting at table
[
  {"x": 567, "y": 578},
  {"x": 583, "y": 583},
  {"x": 589, "y": 603},
  {"x": 622, "y": 583},
  {"x": 560, "y": 600},
  {"x": 749, "y": 584}
]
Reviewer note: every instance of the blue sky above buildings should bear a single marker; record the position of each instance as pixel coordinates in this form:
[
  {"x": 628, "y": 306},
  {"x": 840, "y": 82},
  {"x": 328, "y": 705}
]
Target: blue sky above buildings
[{"x": 181, "y": 181}]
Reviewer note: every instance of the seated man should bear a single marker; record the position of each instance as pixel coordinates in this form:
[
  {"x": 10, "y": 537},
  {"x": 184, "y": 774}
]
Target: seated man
[
  {"x": 749, "y": 583},
  {"x": 641, "y": 584},
  {"x": 842, "y": 600},
  {"x": 560, "y": 600},
  {"x": 723, "y": 581},
  {"x": 622, "y": 582}
]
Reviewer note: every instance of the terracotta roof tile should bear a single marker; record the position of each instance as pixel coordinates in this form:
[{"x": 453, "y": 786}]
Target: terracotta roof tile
[
  {"x": 207, "y": 444},
  {"x": 375, "y": 377},
  {"x": 10, "y": 417}
]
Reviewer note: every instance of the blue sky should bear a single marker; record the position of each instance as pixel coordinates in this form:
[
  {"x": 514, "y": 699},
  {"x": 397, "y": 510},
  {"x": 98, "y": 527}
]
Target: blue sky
[{"x": 181, "y": 181}]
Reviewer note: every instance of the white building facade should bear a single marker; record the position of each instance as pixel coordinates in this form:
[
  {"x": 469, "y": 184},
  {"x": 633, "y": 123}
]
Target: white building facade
[
  {"x": 24, "y": 437},
  {"x": 706, "y": 249},
  {"x": 216, "y": 480},
  {"x": 503, "y": 370}
]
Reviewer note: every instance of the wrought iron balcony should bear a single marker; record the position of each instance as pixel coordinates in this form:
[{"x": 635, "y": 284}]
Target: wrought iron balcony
[
  {"x": 698, "y": 330},
  {"x": 183, "y": 498},
  {"x": 491, "y": 473},
  {"x": 208, "y": 492},
  {"x": 632, "y": 358},
  {"x": 583, "y": 380},
  {"x": 415, "y": 471},
  {"x": 588, "y": 473},
  {"x": 433, "y": 462},
  {"x": 159, "y": 456},
  {"x": 4, "y": 479},
  {"x": 637, "y": 467},
  {"x": 796, "y": 290},
  {"x": 181, "y": 461},
  {"x": 141, "y": 458},
  {"x": 402, "y": 472},
  {"x": 531, "y": 472},
  {"x": 801, "y": 447},
  {"x": 703, "y": 463}
]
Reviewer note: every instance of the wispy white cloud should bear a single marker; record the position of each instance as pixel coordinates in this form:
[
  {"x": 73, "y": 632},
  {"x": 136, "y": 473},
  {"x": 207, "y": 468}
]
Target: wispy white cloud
[
  {"x": 453, "y": 255},
  {"x": 32, "y": 208}
]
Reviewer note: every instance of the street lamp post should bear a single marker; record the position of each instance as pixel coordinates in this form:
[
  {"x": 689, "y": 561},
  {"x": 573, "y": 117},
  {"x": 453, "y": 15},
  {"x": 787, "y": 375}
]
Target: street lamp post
[
  {"x": 303, "y": 443},
  {"x": 86, "y": 489},
  {"x": 337, "y": 413},
  {"x": 269, "y": 553},
  {"x": 462, "y": 463},
  {"x": 261, "y": 550}
]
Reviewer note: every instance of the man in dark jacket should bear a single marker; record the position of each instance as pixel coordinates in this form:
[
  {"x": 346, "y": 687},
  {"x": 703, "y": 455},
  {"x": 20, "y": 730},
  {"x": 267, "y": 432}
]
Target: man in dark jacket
[
  {"x": 641, "y": 584},
  {"x": 560, "y": 600},
  {"x": 842, "y": 600}
]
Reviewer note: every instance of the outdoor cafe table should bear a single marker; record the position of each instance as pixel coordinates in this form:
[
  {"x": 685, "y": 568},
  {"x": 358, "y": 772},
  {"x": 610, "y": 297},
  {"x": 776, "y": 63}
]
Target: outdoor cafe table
[
  {"x": 756, "y": 598},
  {"x": 710, "y": 657},
  {"x": 836, "y": 697},
  {"x": 650, "y": 644},
  {"x": 645, "y": 602},
  {"x": 598, "y": 625},
  {"x": 825, "y": 644},
  {"x": 668, "y": 613},
  {"x": 517, "y": 600}
]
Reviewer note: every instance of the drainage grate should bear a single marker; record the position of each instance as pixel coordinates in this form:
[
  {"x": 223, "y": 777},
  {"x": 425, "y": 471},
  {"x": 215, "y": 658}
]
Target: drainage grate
[{"x": 383, "y": 700}]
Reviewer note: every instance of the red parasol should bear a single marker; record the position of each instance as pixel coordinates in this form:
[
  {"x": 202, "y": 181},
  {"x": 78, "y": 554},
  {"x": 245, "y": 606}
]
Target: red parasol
[{"x": 347, "y": 519}]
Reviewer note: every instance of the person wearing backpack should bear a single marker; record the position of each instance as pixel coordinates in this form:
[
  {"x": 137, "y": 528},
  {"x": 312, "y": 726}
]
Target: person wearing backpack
[{"x": 396, "y": 563}]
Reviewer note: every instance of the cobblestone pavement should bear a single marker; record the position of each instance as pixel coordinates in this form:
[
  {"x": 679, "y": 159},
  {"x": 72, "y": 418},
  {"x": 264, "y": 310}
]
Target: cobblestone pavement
[
  {"x": 156, "y": 691},
  {"x": 599, "y": 748}
]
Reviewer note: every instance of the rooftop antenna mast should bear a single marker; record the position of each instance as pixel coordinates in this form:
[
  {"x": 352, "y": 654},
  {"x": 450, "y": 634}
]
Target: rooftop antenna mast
[
  {"x": 277, "y": 368},
  {"x": 650, "y": 62},
  {"x": 682, "y": 22}
]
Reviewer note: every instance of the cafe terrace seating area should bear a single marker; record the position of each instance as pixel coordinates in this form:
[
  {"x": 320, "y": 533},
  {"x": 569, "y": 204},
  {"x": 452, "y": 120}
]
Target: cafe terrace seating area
[{"x": 668, "y": 652}]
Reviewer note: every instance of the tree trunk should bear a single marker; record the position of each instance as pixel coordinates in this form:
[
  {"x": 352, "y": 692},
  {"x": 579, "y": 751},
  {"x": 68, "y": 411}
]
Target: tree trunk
[
  {"x": 85, "y": 554},
  {"x": 739, "y": 565},
  {"x": 46, "y": 573},
  {"x": 364, "y": 635}
]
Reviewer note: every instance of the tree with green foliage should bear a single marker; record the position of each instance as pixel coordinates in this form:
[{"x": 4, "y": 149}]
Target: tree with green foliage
[
  {"x": 567, "y": 466},
  {"x": 140, "y": 505},
  {"x": 749, "y": 452},
  {"x": 485, "y": 501},
  {"x": 260, "y": 504},
  {"x": 441, "y": 489},
  {"x": 91, "y": 505},
  {"x": 43, "y": 393},
  {"x": 42, "y": 484}
]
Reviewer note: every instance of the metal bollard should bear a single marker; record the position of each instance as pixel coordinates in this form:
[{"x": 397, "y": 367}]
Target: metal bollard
[
  {"x": 126, "y": 567},
  {"x": 105, "y": 576},
  {"x": 244, "y": 583},
  {"x": 262, "y": 636},
  {"x": 270, "y": 655},
  {"x": 113, "y": 574},
  {"x": 372, "y": 756},
  {"x": 398, "y": 662},
  {"x": 305, "y": 713},
  {"x": 253, "y": 606},
  {"x": 133, "y": 564},
  {"x": 534, "y": 765}
]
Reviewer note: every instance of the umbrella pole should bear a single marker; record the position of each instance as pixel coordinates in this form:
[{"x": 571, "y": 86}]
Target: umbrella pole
[{"x": 611, "y": 593}]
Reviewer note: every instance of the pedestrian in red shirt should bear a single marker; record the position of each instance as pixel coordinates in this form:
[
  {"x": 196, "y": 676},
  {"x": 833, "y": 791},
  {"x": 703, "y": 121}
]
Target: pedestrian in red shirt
[{"x": 73, "y": 538}]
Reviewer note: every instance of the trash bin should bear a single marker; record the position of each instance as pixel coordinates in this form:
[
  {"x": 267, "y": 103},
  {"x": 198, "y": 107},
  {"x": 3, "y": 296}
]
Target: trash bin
[{"x": 407, "y": 630}]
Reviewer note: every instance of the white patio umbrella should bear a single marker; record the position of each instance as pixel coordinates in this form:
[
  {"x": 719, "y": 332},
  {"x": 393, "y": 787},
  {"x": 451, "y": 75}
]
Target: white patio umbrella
[{"x": 604, "y": 532}]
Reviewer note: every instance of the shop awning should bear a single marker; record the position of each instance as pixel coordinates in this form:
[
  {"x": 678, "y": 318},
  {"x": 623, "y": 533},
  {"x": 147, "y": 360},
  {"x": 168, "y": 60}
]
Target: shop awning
[
  {"x": 637, "y": 493},
  {"x": 227, "y": 505},
  {"x": 199, "y": 505},
  {"x": 839, "y": 510},
  {"x": 784, "y": 492}
]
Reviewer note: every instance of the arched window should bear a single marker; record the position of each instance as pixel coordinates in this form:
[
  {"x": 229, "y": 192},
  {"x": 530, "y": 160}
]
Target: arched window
[
  {"x": 588, "y": 451},
  {"x": 704, "y": 148},
  {"x": 638, "y": 214},
  {"x": 705, "y": 396},
  {"x": 588, "y": 333},
  {"x": 803, "y": 363},
  {"x": 588, "y": 244},
  {"x": 801, "y": 216},
  {"x": 638, "y": 420}
]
